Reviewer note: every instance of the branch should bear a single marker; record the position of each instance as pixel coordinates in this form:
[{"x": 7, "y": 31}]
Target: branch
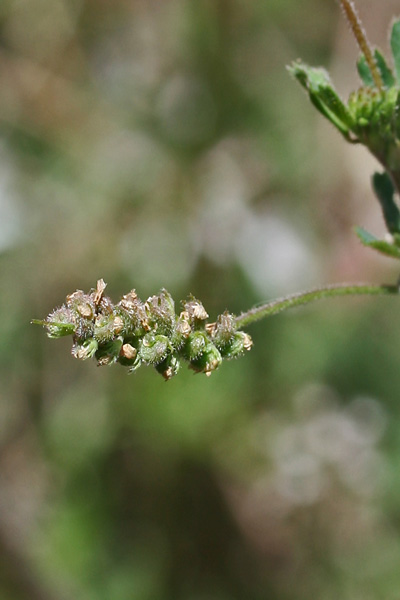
[{"x": 344, "y": 289}]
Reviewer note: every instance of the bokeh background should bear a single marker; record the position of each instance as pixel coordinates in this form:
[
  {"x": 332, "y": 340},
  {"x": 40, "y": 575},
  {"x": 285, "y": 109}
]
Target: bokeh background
[{"x": 162, "y": 143}]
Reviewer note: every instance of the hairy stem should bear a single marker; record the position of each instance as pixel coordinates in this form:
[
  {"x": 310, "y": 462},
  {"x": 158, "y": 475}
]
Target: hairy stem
[
  {"x": 362, "y": 40},
  {"x": 344, "y": 289}
]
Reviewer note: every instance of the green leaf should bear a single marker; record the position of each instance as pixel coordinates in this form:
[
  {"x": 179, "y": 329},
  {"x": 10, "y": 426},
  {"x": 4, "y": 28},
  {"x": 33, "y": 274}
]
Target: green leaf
[
  {"x": 396, "y": 114},
  {"x": 364, "y": 72},
  {"x": 382, "y": 246},
  {"x": 322, "y": 94},
  {"x": 395, "y": 46},
  {"x": 338, "y": 113},
  {"x": 55, "y": 329},
  {"x": 386, "y": 73},
  {"x": 384, "y": 191}
]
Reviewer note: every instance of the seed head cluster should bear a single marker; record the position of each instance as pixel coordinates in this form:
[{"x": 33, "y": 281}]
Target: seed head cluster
[{"x": 134, "y": 332}]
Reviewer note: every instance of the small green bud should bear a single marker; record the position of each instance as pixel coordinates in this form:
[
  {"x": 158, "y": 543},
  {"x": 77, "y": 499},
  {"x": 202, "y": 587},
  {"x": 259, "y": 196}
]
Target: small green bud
[
  {"x": 123, "y": 323},
  {"x": 154, "y": 348},
  {"x": 85, "y": 350},
  {"x": 108, "y": 353},
  {"x": 132, "y": 310},
  {"x": 222, "y": 330},
  {"x": 118, "y": 325},
  {"x": 183, "y": 324},
  {"x": 82, "y": 303},
  {"x": 240, "y": 342},
  {"x": 104, "y": 328},
  {"x": 60, "y": 323},
  {"x": 127, "y": 355},
  {"x": 169, "y": 367},
  {"x": 195, "y": 344},
  {"x": 195, "y": 310},
  {"x": 208, "y": 361},
  {"x": 160, "y": 311}
]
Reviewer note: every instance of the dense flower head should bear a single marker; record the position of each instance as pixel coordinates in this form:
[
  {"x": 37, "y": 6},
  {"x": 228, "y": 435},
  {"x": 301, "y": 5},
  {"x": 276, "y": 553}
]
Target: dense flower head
[
  {"x": 133, "y": 332},
  {"x": 370, "y": 117}
]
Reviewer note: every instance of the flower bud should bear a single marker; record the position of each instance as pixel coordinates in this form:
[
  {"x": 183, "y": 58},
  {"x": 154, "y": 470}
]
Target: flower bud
[
  {"x": 240, "y": 343},
  {"x": 208, "y": 361},
  {"x": 60, "y": 322},
  {"x": 132, "y": 311},
  {"x": 85, "y": 350},
  {"x": 154, "y": 348},
  {"x": 195, "y": 344},
  {"x": 108, "y": 353},
  {"x": 222, "y": 330},
  {"x": 118, "y": 325},
  {"x": 104, "y": 329},
  {"x": 195, "y": 310},
  {"x": 127, "y": 355},
  {"x": 181, "y": 331},
  {"x": 168, "y": 367},
  {"x": 160, "y": 311},
  {"x": 81, "y": 303}
]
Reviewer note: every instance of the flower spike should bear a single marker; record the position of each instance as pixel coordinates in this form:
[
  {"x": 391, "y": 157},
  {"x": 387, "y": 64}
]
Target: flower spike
[{"x": 133, "y": 332}]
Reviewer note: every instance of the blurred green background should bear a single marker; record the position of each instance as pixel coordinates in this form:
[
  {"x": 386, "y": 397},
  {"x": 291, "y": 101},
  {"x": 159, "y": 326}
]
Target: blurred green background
[{"x": 162, "y": 143}]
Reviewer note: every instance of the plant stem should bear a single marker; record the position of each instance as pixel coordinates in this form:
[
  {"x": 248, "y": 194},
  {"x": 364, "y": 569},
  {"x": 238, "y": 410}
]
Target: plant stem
[
  {"x": 343, "y": 289},
  {"x": 362, "y": 40}
]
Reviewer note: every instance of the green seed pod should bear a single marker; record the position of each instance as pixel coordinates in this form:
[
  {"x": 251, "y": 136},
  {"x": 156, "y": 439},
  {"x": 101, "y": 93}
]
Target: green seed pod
[
  {"x": 195, "y": 344},
  {"x": 196, "y": 311},
  {"x": 84, "y": 310},
  {"x": 132, "y": 311},
  {"x": 154, "y": 348},
  {"x": 85, "y": 350},
  {"x": 83, "y": 304},
  {"x": 60, "y": 322},
  {"x": 128, "y": 355},
  {"x": 104, "y": 328},
  {"x": 208, "y": 361},
  {"x": 160, "y": 311},
  {"x": 108, "y": 353},
  {"x": 169, "y": 367},
  {"x": 240, "y": 343},
  {"x": 181, "y": 331},
  {"x": 222, "y": 330},
  {"x": 124, "y": 323}
]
